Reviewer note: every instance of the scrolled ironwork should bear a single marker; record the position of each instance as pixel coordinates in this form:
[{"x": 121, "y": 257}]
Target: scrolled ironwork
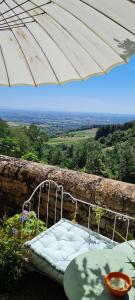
[{"x": 48, "y": 184}]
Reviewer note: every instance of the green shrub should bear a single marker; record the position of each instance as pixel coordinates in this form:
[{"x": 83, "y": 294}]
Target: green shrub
[
  {"x": 25, "y": 226},
  {"x": 11, "y": 264},
  {"x": 11, "y": 240}
]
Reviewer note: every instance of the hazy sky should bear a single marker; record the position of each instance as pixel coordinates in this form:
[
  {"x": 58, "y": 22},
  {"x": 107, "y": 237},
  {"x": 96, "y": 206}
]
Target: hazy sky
[{"x": 114, "y": 93}]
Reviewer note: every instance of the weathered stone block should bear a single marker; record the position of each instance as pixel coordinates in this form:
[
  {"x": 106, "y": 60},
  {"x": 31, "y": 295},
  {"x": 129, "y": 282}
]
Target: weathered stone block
[{"x": 18, "y": 179}]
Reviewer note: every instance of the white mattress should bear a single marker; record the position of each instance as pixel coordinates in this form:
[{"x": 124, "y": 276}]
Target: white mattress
[{"x": 55, "y": 248}]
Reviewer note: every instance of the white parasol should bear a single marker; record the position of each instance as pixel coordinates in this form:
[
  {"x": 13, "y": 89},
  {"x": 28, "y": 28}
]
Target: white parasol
[{"x": 43, "y": 42}]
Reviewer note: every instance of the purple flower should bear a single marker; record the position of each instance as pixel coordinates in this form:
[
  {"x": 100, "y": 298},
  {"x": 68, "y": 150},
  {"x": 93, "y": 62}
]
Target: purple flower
[{"x": 23, "y": 218}]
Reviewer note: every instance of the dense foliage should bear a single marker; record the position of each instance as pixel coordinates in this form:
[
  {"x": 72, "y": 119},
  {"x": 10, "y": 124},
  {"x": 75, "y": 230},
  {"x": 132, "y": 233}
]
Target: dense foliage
[
  {"x": 105, "y": 130},
  {"x": 13, "y": 233},
  {"x": 11, "y": 264},
  {"x": 117, "y": 162},
  {"x": 110, "y": 154},
  {"x": 21, "y": 141}
]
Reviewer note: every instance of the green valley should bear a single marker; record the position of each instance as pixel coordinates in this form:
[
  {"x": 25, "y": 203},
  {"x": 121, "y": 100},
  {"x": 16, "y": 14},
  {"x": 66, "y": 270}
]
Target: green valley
[{"x": 107, "y": 151}]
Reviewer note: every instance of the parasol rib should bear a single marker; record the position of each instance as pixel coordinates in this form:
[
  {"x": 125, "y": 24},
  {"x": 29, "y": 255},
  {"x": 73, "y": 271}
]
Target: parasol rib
[
  {"x": 59, "y": 41},
  {"x": 101, "y": 12},
  {"x": 90, "y": 28},
  {"x": 23, "y": 55},
  {"x": 5, "y": 66},
  {"x": 39, "y": 46}
]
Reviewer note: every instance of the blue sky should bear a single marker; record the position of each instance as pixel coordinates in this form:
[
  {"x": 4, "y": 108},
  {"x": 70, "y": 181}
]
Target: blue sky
[{"x": 111, "y": 93}]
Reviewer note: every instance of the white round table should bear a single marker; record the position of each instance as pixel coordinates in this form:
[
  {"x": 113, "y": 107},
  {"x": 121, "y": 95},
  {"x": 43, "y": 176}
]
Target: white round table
[{"x": 84, "y": 277}]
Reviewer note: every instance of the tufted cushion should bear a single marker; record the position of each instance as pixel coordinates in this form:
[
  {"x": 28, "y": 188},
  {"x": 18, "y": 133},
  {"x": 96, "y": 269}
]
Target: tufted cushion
[{"x": 59, "y": 245}]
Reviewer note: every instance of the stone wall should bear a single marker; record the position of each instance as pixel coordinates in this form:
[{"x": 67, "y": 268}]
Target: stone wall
[{"x": 18, "y": 178}]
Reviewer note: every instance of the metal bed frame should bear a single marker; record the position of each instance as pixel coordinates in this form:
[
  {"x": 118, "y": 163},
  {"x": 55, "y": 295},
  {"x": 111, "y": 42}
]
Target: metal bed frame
[{"x": 59, "y": 192}]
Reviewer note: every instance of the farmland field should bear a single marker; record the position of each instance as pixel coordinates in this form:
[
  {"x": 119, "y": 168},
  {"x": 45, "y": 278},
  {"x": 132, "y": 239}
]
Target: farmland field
[{"x": 74, "y": 136}]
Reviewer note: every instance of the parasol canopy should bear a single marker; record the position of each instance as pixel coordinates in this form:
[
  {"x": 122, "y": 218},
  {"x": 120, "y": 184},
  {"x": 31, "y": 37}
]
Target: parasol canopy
[{"x": 43, "y": 42}]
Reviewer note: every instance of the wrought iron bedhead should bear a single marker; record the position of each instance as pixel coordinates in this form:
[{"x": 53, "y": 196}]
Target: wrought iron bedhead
[{"x": 61, "y": 194}]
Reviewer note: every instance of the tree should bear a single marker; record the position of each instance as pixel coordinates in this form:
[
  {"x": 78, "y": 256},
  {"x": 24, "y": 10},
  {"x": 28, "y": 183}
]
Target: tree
[
  {"x": 121, "y": 161},
  {"x": 32, "y": 156},
  {"x": 22, "y": 140},
  {"x": 4, "y": 129},
  {"x": 38, "y": 138},
  {"x": 10, "y": 147},
  {"x": 95, "y": 163}
]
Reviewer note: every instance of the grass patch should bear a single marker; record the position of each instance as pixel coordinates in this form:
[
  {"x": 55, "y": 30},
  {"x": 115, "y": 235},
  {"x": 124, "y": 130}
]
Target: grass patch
[{"x": 74, "y": 136}]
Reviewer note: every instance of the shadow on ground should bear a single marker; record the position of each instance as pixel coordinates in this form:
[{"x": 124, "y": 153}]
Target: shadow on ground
[{"x": 36, "y": 287}]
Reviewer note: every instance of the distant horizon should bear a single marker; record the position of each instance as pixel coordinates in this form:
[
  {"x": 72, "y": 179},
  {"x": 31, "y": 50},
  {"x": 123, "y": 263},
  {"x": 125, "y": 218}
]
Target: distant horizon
[{"x": 65, "y": 112}]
